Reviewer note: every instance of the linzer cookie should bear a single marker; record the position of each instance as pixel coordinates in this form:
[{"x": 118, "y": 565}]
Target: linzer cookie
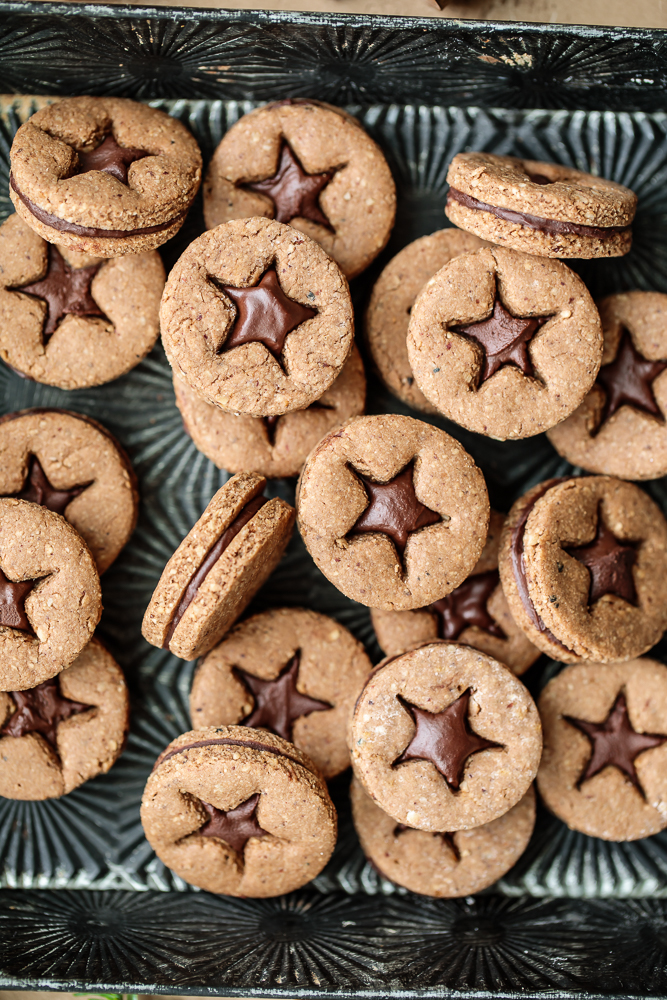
[
  {"x": 104, "y": 175},
  {"x": 238, "y": 811},
  {"x": 488, "y": 335},
  {"x": 583, "y": 563},
  {"x": 393, "y": 511},
  {"x": 312, "y": 166},
  {"x": 256, "y": 318},
  {"x": 69, "y": 319},
  {"x": 391, "y": 302},
  {"x": 218, "y": 567},
  {"x": 291, "y": 671},
  {"x": 445, "y": 738},
  {"x": 620, "y": 429},
  {"x": 604, "y": 768},
  {"x": 541, "y": 208},
  {"x": 443, "y": 865},
  {"x": 474, "y": 614},
  {"x": 73, "y": 466},
  {"x": 271, "y": 446},
  {"x": 57, "y": 735},
  {"x": 50, "y": 600}
]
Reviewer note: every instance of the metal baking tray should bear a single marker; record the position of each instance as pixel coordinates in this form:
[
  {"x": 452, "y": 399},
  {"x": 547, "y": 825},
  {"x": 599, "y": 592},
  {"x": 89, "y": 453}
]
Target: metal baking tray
[{"x": 85, "y": 903}]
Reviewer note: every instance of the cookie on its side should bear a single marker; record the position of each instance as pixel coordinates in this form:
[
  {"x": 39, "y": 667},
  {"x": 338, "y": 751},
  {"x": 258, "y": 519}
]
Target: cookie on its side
[{"x": 218, "y": 567}]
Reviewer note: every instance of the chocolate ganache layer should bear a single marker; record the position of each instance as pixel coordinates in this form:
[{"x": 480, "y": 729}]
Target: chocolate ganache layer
[{"x": 225, "y": 742}]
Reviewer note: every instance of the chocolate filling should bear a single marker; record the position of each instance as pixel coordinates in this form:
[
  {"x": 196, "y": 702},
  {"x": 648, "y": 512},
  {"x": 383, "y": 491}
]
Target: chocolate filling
[
  {"x": 225, "y": 742},
  {"x": 209, "y": 561},
  {"x": 552, "y": 226}
]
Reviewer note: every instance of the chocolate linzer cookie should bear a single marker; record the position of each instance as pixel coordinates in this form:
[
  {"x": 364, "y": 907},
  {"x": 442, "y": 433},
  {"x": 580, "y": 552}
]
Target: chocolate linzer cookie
[
  {"x": 104, "y": 175},
  {"x": 393, "y": 296},
  {"x": 474, "y": 614},
  {"x": 604, "y": 768},
  {"x": 271, "y": 446},
  {"x": 291, "y": 671},
  {"x": 445, "y": 738},
  {"x": 256, "y": 318},
  {"x": 393, "y": 511},
  {"x": 239, "y": 812},
  {"x": 542, "y": 208},
  {"x": 620, "y": 429},
  {"x": 443, "y": 865},
  {"x": 488, "y": 338},
  {"x": 50, "y": 600},
  {"x": 583, "y": 564},
  {"x": 57, "y": 735},
  {"x": 73, "y": 466},
  {"x": 218, "y": 567},
  {"x": 69, "y": 319},
  {"x": 312, "y": 166}
]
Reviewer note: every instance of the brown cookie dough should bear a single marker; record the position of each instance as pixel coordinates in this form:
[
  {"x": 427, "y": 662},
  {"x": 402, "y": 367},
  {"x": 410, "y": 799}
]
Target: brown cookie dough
[
  {"x": 393, "y": 511},
  {"x": 218, "y": 567},
  {"x": 271, "y": 446},
  {"x": 68, "y": 729},
  {"x": 620, "y": 429},
  {"x": 312, "y": 166},
  {"x": 239, "y": 812},
  {"x": 474, "y": 614},
  {"x": 583, "y": 564},
  {"x": 504, "y": 343},
  {"x": 393, "y": 296},
  {"x": 256, "y": 318},
  {"x": 540, "y": 208},
  {"x": 73, "y": 466},
  {"x": 104, "y": 175},
  {"x": 291, "y": 671},
  {"x": 50, "y": 599},
  {"x": 445, "y": 738},
  {"x": 444, "y": 865},
  {"x": 604, "y": 768}
]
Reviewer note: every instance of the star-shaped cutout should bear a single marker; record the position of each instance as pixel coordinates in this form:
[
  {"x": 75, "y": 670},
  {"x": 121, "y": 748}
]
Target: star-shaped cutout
[
  {"x": 40, "y": 710},
  {"x": 111, "y": 158},
  {"x": 264, "y": 314},
  {"x": 628, "y": 381},
  {"x": 615, "y": 743},
  {"x": 394, "y": 508},
  {"x": 466, "y": 606},
  {"x": 12, "y": 603},
  {"x": 295, "y": 194},
  {"x": 65, "y": 289},
  {"x": 609, "y": 563},
  {"x": 236, "y": 826},
  {"x": 504, "y": 340},
  {"x": 278, "y": 702},
  {"x": 447, "y": 837},
  {"x": 37, "y": 489},
  {"x": 445, "y": 739}
]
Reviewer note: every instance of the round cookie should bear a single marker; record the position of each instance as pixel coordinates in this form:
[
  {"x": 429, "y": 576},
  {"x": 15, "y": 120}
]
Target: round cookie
[
  {"x": 604, "y": 768},
  {"x": 64, "y": 731},
  {"x": 620, "y": 429},
  {"x": 393, "y": 511},
  {"x": 474, "y": 614},
  {"x": 291, "y": 671},
  {"x": 391, "y": 302},
  {"x": 73, "y": 466},
  {"x": 444, "y": 865},
  {"x": 256, "y": 318},
  {"x": 312, "y": 166},
  {"x": 70, "y": 319},
  {"x": 238, "y": 811},
  {"x": 218, "y": 567},
  {"x": 583, "y": 564},
  {"x": 271, "y": 446},
  {"x": 503, "y": 343},
  {"x": 104, "y": 175},
  {"x": 50, "y": 599},
  {"x": 541, "y": 208}
]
